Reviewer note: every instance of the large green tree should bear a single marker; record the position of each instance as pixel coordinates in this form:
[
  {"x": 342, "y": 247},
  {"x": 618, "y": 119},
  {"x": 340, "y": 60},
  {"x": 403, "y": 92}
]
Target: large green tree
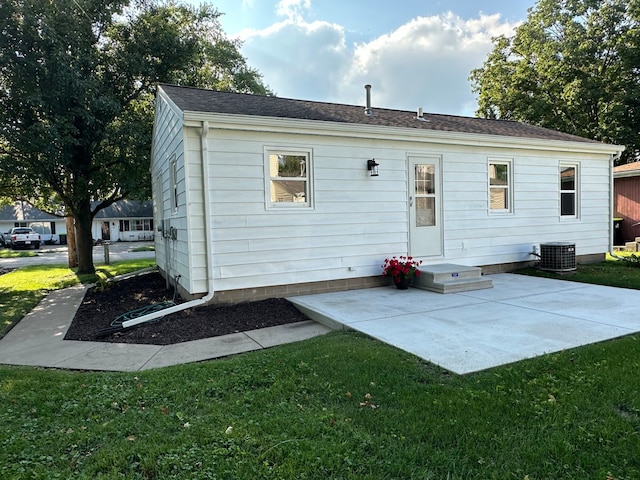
[
  {"x": 573, "y": 66},
  {"x": 77, "y": 82}
]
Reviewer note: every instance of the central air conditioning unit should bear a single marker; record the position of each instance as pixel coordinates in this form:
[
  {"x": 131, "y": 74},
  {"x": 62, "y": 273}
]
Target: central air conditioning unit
[{"x": 558, "y": 256}]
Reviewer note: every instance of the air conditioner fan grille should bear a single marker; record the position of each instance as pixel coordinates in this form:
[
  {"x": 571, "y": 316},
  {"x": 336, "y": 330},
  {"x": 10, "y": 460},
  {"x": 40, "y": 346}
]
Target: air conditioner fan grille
[{"x": 558, "y": 256}]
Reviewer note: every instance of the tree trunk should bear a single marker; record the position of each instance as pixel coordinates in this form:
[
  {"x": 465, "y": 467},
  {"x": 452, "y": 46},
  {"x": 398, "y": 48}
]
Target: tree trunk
[
  {"x": 84, "y": 239},
  {"x": 71, "y": 242}
]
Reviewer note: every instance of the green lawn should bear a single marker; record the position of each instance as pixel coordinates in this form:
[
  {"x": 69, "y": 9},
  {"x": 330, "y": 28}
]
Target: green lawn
[
  {"x": 147, "y": 248},
  {"x": 341, "y": 406},
  {"x": 8, "y": 253},
  {"x": 613, "y": 272}
]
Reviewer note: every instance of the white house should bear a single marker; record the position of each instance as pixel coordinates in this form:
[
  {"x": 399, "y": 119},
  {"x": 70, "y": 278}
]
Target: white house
[
  {"x": 125, "y": 221},
  {"x": 258, "y": 196}
]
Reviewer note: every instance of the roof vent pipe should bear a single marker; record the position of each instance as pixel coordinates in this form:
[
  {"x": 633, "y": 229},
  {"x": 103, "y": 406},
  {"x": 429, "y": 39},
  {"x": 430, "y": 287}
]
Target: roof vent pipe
[
  {"x": 420, "y": 114},
  {"x": 367, "y": 111}
]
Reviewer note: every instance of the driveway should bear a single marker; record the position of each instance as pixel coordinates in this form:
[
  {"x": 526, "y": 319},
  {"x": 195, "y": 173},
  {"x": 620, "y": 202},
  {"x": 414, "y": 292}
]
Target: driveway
[{"x": 58, "y": 254}]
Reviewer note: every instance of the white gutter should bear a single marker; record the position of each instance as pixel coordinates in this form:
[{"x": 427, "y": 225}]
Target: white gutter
[{"x": 204, "y": 150}]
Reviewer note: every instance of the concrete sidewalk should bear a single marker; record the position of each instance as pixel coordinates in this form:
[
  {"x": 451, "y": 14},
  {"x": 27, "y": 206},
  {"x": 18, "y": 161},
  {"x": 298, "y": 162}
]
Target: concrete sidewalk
[{"x": 37, "y": 340}]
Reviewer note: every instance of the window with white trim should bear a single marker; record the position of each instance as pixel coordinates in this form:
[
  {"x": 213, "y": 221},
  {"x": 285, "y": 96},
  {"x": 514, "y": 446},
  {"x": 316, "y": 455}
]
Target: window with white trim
[
  {"x": 500, "y": 185},
  {"x": 288, "y": 178},
  {"x": 145, "y": 224},
  {"x": 569, "y": 190}
]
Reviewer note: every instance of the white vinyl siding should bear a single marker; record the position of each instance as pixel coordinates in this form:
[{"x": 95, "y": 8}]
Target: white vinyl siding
[
  {"x": 359, "y": 220},
  {"x": 334, "y": 240},
  {"x": 474, "y": 238},
  {"x": 170, "y": 193}
]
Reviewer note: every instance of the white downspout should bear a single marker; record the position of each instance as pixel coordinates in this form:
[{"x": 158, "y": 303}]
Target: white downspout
[
  {"x": 612, "y": 162},
  {"x": 204, "y": 153}
]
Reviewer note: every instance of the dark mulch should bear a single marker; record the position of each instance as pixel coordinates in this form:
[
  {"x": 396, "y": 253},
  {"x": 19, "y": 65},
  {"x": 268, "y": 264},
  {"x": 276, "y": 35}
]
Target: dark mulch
[{"x": 100, "y": 308}]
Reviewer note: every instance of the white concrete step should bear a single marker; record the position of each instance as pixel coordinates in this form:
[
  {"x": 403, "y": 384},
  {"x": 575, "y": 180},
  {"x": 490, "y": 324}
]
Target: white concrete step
[{"x": 451, "y": 278}]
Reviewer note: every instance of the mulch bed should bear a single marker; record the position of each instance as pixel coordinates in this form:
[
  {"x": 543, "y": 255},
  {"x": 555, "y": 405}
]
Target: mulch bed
[{"x": 100, "y": 307}]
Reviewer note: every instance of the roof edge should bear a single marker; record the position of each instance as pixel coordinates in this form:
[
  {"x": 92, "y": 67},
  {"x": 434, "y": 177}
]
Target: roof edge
[{"x": 317, "y": 127}]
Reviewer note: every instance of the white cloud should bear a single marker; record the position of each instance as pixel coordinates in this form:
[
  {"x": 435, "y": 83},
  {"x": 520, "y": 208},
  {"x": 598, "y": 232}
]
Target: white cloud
[
  {"x": 292, "y": 9},
  {"x": 425, "y": 62},
  {"x": 300, "y": 59}
]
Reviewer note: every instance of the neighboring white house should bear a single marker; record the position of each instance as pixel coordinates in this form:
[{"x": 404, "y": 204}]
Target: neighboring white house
[
  {"x": 259, "y": 196},
  {"x": 125, "y": 220}
]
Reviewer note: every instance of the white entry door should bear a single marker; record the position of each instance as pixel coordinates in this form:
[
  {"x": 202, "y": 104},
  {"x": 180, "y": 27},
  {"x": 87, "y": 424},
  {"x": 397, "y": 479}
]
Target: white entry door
[{"x": 425, "y": 206}]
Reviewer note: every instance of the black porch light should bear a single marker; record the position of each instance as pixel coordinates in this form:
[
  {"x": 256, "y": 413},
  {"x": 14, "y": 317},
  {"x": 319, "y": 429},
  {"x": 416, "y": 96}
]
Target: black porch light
[{"x": 372, "y": 166}]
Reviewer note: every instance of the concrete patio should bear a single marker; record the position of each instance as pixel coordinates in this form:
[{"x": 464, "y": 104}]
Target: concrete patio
[{"x": 521, "y": 317}]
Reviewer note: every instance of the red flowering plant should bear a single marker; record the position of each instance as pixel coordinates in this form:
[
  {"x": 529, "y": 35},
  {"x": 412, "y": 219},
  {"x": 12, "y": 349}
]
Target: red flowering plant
[{"x": 401, "y": 267}]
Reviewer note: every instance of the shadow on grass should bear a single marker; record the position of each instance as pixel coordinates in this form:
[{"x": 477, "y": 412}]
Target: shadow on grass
[{"x": 8, "y": 253}]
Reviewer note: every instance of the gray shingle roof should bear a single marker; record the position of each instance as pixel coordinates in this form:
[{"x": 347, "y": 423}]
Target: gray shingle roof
[
  {"x": 23, "y": 212},
  {"x": 127, "y": 209},
  {"x": 190, "y": 99}
]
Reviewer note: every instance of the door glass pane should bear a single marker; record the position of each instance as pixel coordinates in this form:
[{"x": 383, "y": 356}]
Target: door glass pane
[
  {"x": 425, "y": 180},
  {"x": 425, "y": 211}
]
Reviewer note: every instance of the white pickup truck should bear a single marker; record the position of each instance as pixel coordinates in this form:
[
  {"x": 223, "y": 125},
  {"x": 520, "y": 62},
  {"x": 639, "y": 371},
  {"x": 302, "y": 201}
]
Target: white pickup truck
[{"x": 22, "y": 237}]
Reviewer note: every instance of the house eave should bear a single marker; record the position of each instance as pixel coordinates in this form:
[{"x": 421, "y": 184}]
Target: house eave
[
  {"x": 627, "y": 174},
  {"x": 337, "y": 129}
]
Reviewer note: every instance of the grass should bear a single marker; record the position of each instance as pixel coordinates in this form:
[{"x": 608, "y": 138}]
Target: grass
[
  {"x": 341, "y": 406},
  {"x": 23, "y": 288},
  {"x": 8, "y": 253},
  {"x": 613, "y": 272},
  {"x": 147, "y": 248}
]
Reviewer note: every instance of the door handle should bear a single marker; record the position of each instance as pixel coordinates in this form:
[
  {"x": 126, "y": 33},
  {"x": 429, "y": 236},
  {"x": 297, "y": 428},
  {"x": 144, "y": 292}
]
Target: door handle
[{"x": 410, "y": 201}]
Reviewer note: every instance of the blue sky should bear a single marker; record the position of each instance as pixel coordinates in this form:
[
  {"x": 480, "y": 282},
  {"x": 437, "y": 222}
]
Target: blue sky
[{"x": 415, "y": 53}]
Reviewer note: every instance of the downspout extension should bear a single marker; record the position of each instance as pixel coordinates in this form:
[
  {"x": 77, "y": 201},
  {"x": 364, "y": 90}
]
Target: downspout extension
[{"x": 204, "y": 150}]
